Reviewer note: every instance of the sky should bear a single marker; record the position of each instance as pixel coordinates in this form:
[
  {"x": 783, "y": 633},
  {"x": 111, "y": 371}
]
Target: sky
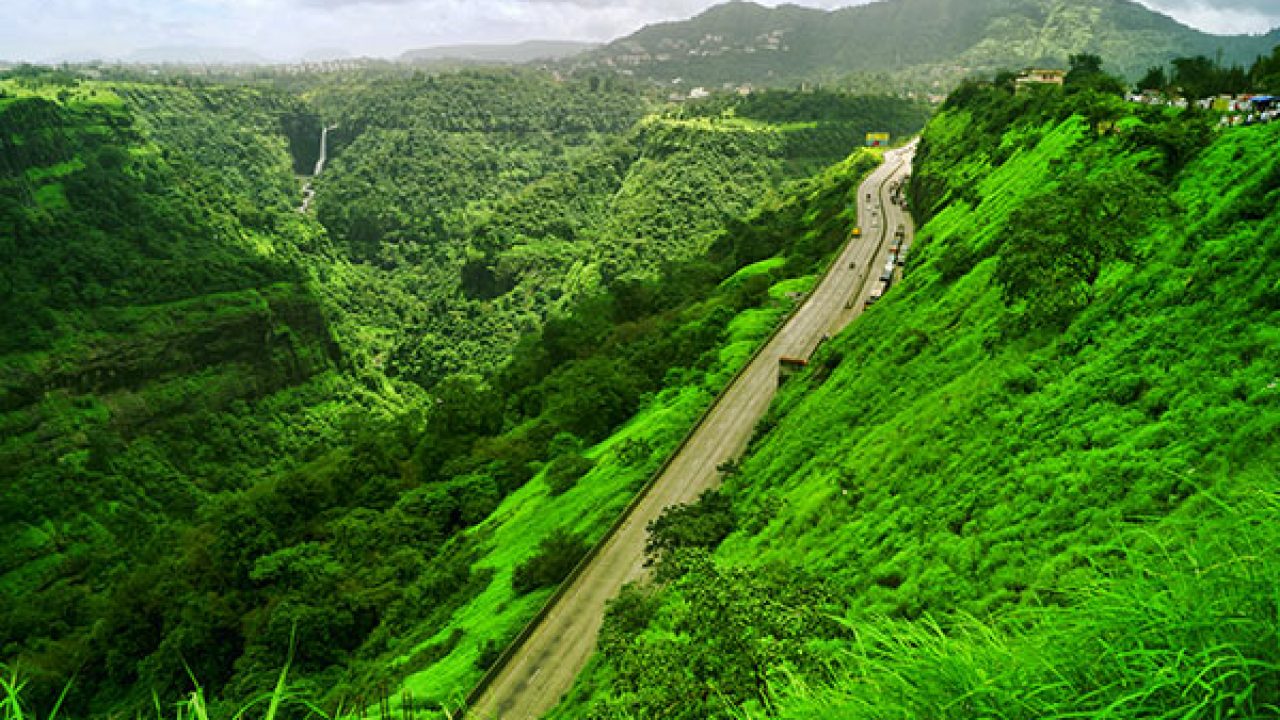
[{"x": 54, "y": 30}]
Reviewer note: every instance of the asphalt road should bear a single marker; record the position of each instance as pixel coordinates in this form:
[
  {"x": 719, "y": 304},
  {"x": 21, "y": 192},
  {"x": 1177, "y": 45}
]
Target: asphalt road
[{"x": 544, "y": 667}]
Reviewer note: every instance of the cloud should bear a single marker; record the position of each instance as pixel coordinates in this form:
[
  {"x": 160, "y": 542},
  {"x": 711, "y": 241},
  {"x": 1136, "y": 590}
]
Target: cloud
[
  {"x": 1222, "y": 16},
  {"x": 514, "y": 3},
  {"x": 1257, "y": 7},
  {"x": 283, "y": 29}
]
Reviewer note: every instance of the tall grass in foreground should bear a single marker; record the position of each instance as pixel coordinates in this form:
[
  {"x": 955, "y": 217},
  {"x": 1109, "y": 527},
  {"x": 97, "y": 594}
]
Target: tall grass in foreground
[
  {"x": 1185, "y": 631},
  {"x": 11, "y": 685},
  {"x": 194, "y": 707}
]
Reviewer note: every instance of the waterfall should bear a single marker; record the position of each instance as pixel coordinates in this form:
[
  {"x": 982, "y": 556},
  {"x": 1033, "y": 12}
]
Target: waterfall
[
  {"x": 308, "y": 192},
  {"x": 324, "y": 151}
]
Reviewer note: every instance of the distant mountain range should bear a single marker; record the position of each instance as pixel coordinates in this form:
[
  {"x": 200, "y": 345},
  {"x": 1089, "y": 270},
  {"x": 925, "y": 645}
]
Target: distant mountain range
[
  {"x": 919, "y": 42},
  {"x": 503, "y": 54},
  {"x": 930, "y": 40}
]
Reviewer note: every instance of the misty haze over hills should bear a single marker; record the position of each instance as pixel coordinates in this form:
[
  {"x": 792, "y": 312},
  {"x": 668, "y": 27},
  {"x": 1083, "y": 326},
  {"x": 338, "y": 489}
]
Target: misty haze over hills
[
  {"x": 196, "y": 55},
  {"x": 514, "y": 53}
]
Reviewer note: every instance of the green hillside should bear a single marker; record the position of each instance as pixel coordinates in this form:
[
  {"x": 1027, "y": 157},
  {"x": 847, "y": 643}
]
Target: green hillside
[
  {"x": 162, "y": 344},
  {"x": 922, "y": 43},
  {"x": 375, "y": 435},
  {"x": 1036, "y": 480},
  {"x": 369, "y": 440},
  {"x": 471, "y": 205},
  {"x": 662, "y": 354}
]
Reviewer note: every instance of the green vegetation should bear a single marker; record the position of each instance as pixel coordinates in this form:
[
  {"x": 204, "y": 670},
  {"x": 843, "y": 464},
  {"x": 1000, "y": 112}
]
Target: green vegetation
[
  {"x": 989, "y": 500},
  {"x": 149, "y": 228},
  {"x": 379, "y": 435},
  {"x": 471, "y": 206},
  {"x": 280, "y": 700},
  {"x": 646, "y": 327},
  {"x": 234, "y": 131},
  {"x": 922, "y": 45},
  {"x": 1035, "y": 480},
  {"x": 1200, "y": 77},
  {"x": 815, "y": 125},
  {"x": 556, "y": 557},
  {"x": 166, "y": 351}
]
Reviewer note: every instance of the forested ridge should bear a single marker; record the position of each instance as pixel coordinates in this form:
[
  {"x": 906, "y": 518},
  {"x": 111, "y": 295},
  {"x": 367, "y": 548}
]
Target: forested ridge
[
  {"x": 478, "y": 202},
  {"x": 1037, "y": 479},
  {"x": 927, "y": 45},
  {"x": 231, "y": 429}
]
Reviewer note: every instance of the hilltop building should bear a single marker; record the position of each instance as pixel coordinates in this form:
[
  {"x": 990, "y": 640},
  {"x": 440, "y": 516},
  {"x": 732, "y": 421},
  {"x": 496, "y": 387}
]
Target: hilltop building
[{"x": 1038, "y": 77}]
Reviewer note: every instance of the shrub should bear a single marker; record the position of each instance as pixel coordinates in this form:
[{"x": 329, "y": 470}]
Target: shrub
[
  {"x": 557, "y": 555},
  {"x": 565, "y": 471},
  {"x": 490, "y": 651},
  {"x": 701, "y": 525}
]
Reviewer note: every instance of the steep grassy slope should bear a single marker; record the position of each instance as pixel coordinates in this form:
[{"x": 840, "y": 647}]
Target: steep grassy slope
[
  {"x": 778, "y": 250},
  {"x": 989, "y": 501},
  {"x": 208, "y": 456},
  {"x": 925, "y": 40}
]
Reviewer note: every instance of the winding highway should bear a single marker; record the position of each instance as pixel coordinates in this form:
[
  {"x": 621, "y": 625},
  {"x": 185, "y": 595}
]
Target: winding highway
[{"x": 544, "y": 666}]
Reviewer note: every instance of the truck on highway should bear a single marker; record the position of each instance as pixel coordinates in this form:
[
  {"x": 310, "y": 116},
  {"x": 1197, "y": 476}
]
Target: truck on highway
[
  {"x": 877, "y": 292},
  {"x": 857, "y": 232},
  {"x": 788, "y": 366}
]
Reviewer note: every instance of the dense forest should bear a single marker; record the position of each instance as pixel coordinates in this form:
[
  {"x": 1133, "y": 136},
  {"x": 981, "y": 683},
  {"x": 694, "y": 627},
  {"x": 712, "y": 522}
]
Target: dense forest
[
  {"x": 235, "y": 434},
  {"x": 472, "y": 205},
  {"x": 1036, "y": 480}
]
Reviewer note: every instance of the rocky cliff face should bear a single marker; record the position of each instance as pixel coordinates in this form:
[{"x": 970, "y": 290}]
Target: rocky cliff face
[{"x": 278, "y": 335}]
